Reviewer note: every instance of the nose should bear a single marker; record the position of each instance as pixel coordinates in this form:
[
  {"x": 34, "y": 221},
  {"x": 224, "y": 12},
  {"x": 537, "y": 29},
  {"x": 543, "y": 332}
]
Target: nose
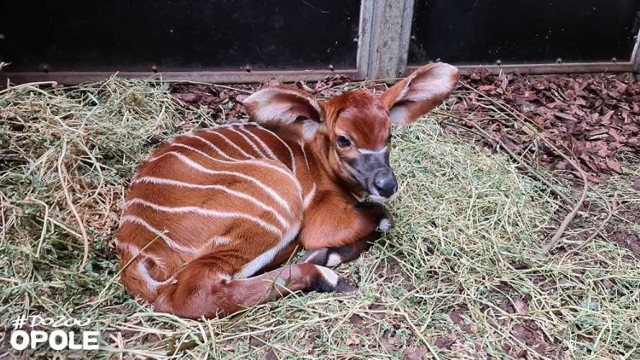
[{"x": 385, "y": 183}]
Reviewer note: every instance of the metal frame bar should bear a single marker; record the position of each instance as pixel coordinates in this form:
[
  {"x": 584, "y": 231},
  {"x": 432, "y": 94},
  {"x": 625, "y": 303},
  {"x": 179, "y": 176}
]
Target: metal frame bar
[
  {"x": 531, "y": 69},
  {"x": 309, "y": 75},
  {"x": 177, "y": 76}
]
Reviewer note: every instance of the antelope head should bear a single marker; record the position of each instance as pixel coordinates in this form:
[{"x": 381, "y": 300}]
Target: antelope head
[{"x": 353, "y": 130}]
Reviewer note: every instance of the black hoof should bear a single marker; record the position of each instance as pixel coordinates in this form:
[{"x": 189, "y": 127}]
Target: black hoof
[
  {"x": 316, "y": 257},
  {"x": 344, "y": 286}
]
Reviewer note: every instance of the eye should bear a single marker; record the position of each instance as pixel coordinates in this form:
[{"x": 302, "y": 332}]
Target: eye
[{"x": 343, "y": 142}]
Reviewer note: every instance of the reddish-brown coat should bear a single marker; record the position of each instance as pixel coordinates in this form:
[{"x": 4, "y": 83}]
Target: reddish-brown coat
[{"x": 187, "y": 231}]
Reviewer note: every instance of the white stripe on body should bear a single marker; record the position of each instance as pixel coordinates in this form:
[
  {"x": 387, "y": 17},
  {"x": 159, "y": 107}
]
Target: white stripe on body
[
  {"x": 304, "y": 155},
  {"x": 229, "y": 142},
  {"x": 219, "y": 240},
  {"x": 245, "y": 138},
  {"x": 170, "y": 242},
  {"x": 256, "y": 162},
  {"x": 152, "y": 283},
  {"x": 194, "y": 165},
  {"x": 135, "y": 251},
  {"x": 204, "y": 212},
  {"x": 171, "y": 182},
  {"x": 308, "y": 198},
  {"x": 266, "y": 257},
  {"x": 244, "y": 153},
  {"x": 264, "y": 146},
  {"x": 212, "y": 146},
  {"x": 293, "y": 159}
]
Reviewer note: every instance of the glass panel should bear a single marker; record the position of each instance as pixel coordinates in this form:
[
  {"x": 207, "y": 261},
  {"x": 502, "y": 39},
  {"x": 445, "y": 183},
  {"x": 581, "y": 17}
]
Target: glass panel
[
  {"x": 134, "y": 35},
  {"x": 523, "y": 31}
]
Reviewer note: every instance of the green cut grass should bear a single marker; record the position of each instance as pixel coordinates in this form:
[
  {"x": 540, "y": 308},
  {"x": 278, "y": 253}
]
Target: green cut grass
[{"x": 457, "y": 278}]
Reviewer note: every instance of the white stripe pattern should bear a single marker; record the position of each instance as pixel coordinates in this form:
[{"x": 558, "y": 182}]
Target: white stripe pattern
[
  {"x": 136, "y": 251},
  {"x": 304, "y": 154},
  {"x": 245, "y": 138},
  {"x": 212, "y": 146},
  {"x": 229, "y": 142},
  {"x": 194, "y": 165},
  {"x": 170, "y": 182},
  {"x": 152, "y": 283},
  {"x": 261, "y": 163},
  {"x": 264, "y": 146},
  {"x": 312, "y": 193},
  {"x": 172, "y": 244},
  {"x": 219, "y": 240},
  {"x": 293, "y": 159},
  {"x": 130, "y": 248},
  {"x": 204, "y": 212},
  {"x": 265, "y": 258},
  {"x": 309, "y": 197}
]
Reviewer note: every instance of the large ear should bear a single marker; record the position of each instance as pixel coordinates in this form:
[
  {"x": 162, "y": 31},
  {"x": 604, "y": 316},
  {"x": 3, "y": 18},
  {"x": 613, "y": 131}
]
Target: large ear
[
  {"x": 283, "y": 105},
  {"x": 420, "y": 92}
]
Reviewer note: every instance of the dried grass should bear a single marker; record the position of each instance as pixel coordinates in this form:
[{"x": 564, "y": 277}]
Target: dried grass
[{"x": 457, "y": 277}]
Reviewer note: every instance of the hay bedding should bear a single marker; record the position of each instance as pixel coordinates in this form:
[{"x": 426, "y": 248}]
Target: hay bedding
[{"x": 457, "y": 278}]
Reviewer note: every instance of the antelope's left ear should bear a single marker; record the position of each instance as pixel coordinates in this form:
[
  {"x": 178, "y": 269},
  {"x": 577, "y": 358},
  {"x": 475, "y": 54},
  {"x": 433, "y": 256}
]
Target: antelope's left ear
[
  {"x": 420, "y": 92},
  {"x": 284, "y": 105}
]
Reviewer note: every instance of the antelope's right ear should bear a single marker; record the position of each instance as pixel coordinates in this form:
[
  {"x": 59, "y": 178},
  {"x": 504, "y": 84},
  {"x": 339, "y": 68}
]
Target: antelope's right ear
[{"x": 283, "y": 105}]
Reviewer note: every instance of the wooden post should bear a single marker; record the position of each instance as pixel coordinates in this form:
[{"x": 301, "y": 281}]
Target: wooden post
[
  {"x": 383, "y": 46},
  {"x": 635, "y": 56}
]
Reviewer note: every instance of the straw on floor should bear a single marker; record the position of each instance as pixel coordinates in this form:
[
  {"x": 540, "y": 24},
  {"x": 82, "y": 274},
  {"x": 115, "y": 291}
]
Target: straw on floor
[{"x": 456, "y": 278}]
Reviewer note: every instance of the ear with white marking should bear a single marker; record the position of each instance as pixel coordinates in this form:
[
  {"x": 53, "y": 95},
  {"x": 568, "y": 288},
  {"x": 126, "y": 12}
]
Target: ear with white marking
[
  {"x": 283, "y": 105},
  {"x": 420, "y": 92}
]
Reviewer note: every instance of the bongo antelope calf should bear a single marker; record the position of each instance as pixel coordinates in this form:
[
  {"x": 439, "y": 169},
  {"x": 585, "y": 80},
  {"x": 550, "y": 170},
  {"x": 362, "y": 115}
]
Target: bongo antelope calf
[{"x": 212, "y": 215}]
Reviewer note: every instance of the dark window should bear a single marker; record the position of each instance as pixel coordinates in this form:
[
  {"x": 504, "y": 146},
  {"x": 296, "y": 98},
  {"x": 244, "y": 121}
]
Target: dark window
[
  {"x": 134, "y": 35},
  {"x": 523, "y": 31}
]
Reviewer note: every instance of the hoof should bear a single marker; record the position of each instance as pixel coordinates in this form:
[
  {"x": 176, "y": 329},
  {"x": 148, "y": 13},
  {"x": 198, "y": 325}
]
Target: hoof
[
  {"x": 329, "y": 281},
  {"x": 344, "y": 286}
]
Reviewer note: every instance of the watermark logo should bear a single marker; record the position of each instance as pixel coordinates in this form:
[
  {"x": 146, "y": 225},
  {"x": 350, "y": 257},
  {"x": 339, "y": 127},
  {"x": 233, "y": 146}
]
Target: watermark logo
[{"x": 25, "y": 336}]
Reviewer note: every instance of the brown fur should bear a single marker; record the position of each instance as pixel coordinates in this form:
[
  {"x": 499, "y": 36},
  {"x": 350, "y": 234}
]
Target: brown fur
[{"x": 187, "y": 234}]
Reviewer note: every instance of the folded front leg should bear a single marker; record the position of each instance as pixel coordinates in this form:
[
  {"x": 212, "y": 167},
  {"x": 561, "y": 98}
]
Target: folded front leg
[
  {"x": 335, "y": 220},
  {"x": 333, "y": 242}
]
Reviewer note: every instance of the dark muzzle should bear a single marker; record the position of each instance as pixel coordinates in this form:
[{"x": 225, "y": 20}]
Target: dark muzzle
[{"x": 384, "y": 183}]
